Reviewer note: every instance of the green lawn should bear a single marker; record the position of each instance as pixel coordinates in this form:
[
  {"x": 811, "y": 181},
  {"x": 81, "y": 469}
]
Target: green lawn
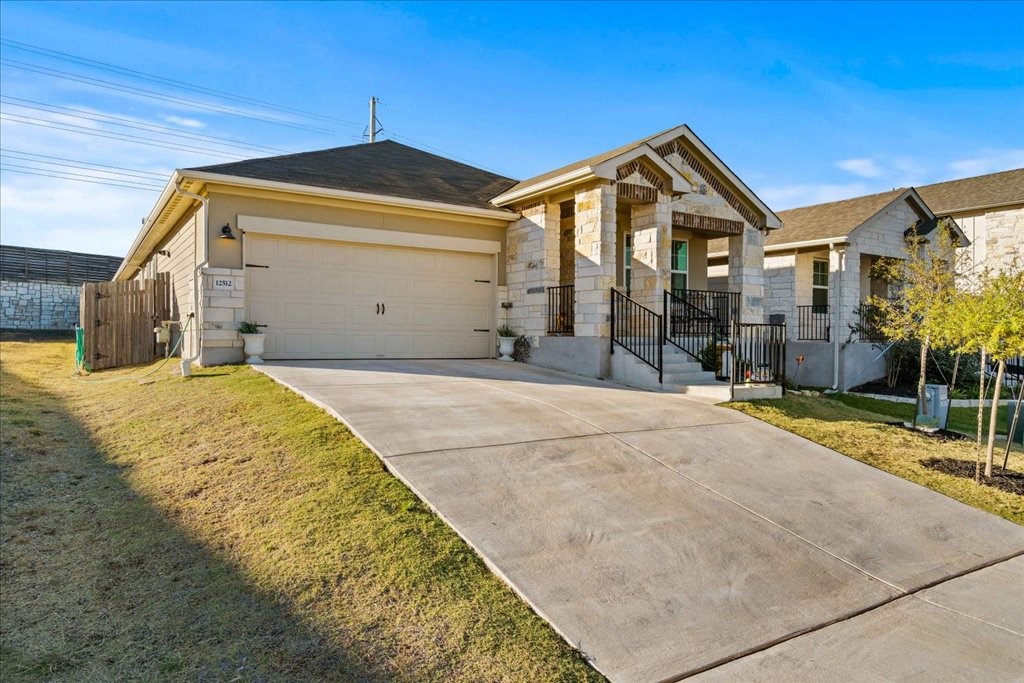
[
  {"x": 864, "y": 435},
  {"x": 964, "y": 420},
  {"x": 222, "y": 528}
]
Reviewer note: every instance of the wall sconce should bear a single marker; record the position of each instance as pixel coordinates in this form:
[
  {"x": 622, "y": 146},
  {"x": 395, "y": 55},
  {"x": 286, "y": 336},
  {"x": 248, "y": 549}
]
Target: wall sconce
[
  {"x": 164, "y": 252},
  {"x": 225, "y": 232}
]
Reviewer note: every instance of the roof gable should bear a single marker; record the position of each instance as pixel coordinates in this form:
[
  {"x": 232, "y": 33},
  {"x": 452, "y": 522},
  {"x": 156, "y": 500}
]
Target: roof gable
[{"x": 385, "y": 168}]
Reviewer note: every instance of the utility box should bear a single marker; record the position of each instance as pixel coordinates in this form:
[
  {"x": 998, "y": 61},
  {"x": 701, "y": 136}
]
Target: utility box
[
  {"x": 938, "y": 402},
  {"x": 167, "y": 335}
]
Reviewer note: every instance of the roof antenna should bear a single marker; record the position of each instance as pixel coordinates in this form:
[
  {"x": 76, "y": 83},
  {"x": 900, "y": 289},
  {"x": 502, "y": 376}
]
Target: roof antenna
[{"x": 374, "y": 126}]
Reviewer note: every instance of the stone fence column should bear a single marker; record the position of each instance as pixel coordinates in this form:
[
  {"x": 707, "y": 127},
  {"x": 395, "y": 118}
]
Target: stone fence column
[{"x": 531, "y": 263}]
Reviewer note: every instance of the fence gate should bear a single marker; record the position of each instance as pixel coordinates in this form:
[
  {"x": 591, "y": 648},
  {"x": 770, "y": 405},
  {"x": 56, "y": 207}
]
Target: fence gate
[{"x": 118, "y": 320}]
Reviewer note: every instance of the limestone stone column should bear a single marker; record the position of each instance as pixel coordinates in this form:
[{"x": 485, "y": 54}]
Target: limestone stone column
[
  {"x": 531, "y": 263},
  {"x": 595, "y": 259},
  {"x": 746, "y": 273},
  {"x": 651, "y": 226}
]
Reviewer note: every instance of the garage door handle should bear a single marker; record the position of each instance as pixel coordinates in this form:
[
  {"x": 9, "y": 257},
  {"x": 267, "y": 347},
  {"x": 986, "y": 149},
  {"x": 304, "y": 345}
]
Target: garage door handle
[
  {"x": 378, "y": 309},
  {"x": 383, "y": 308}
]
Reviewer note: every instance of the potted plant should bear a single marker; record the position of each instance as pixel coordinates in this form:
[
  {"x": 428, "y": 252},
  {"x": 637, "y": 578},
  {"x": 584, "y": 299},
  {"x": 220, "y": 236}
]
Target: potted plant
[
  {"x": 253, "y": 339},
  {"x": 506, "y": 342}
]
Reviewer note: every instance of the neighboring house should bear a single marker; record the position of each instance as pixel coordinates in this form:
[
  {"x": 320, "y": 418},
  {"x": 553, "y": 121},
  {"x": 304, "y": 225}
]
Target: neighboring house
[
  {"x": 384, "y": 251},
  {"x": 819, "y": 273},
  {"x": 990, "y": 211},
  {"x": 39, "y": 288}
]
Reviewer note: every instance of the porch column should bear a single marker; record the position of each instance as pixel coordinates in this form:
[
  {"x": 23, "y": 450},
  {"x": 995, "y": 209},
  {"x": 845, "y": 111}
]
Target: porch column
[
  {"x": 651, "y": 225},
  {"x": 595, "y": 259},
  {"x": 531, "y": 263},
  {"x": 746, "y": 273}
]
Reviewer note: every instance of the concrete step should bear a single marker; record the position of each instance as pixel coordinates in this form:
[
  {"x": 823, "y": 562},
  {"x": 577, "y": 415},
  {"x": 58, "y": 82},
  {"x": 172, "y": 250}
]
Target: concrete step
[{"x": 715, "y": 392}]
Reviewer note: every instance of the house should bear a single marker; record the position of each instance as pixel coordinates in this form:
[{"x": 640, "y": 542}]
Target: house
[
  {"x": 382, "y": 250},
  {"x": 819, "y": 274},
  {"x": 39, "y": 288},
  {"x": 990, "y": 211}
]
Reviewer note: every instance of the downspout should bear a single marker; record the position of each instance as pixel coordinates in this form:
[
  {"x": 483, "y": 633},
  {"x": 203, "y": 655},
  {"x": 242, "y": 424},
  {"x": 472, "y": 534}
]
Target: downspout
[
  {"x": 840, "y": 270},
  {"x": 197, "y": 335}
]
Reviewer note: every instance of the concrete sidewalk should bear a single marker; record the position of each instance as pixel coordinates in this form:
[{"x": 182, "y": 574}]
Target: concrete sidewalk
[{"x": 665, "y": 537}]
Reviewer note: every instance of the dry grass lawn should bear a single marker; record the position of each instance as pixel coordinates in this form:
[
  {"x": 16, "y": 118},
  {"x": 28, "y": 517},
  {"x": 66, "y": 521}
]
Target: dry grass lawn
[
  {"x": 863, "y": 435},
  {"x": 221, "y": 528}
]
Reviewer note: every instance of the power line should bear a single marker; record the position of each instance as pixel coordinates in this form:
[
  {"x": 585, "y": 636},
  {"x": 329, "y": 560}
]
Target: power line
[
  {"x": 111, "y": 135},
  {"x": 154, "y": 78},
  {"x": 73, "y": 174},
  {"x": 151, "y": 94},
  {"x": 126, "y": 186},
  {"x": 134, "y": 175},
  {"x": 129, "y": 123},
  {"x": 8, "y": 151}
]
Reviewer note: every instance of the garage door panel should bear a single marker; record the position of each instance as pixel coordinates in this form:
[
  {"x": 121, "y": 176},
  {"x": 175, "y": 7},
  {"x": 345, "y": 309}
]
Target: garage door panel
[{"x": 320, "y": 300}]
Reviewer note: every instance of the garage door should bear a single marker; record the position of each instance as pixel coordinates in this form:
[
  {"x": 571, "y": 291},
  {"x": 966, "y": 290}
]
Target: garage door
[{"x": 325, "y": 299}]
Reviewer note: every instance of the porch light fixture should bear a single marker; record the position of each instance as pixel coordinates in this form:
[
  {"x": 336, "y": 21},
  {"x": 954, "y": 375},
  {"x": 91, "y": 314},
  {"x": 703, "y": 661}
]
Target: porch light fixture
[{"x": 225, "y": 232}]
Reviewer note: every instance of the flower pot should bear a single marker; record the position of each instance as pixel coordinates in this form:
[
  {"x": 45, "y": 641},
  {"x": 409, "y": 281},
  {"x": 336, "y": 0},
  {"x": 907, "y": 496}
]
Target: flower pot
[
  {"x": 506, "y": 345},
  {"x": 253, "y": 347}
]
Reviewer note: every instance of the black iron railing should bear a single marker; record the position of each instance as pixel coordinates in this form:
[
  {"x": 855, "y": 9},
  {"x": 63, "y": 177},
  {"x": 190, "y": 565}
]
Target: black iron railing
[
  {"x": 562, "y": 310},
  {"x": 813, "y": 323},
  {"x": 758, "y": 353},
  {"x": 870, "y": 324},
  {"x": 637, "y": 329},
  {"x": 724, "y": 306},
  {"x": 695, "y": 331}
]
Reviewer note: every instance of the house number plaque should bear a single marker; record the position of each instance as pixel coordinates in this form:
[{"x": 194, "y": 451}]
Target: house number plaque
[{"x": 223, "y": 283}]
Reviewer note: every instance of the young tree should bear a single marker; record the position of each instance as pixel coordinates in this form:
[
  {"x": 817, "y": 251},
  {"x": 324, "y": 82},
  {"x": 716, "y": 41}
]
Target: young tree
[
  {"x": 1001, "y": 312},
  {"x": 926, "y": 290},
  {"x": 988, "y": 318}
]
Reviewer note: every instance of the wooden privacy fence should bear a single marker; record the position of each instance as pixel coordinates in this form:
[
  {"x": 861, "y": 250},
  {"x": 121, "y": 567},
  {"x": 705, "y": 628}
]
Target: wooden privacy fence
[{"x": 118, "y": 320}]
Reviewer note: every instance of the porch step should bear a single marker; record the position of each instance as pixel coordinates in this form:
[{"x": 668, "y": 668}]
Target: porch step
[{"x": 681, "y": 375}]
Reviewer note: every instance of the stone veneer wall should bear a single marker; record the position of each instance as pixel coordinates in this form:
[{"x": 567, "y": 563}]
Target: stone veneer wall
[
  {"x": 38, "y": 305},
  {"x": 221, "y": 313},
  {"x": 1004, "y": 238}
]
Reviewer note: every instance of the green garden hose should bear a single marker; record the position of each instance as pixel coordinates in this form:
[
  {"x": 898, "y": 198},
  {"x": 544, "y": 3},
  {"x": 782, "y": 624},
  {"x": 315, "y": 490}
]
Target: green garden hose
[{"x": 80, "y": 359}]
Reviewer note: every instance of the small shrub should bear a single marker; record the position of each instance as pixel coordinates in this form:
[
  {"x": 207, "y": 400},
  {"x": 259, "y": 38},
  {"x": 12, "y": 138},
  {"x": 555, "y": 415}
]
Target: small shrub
[
  {"x": 521, "y": 350},
  {"x": 506, "y": 331},
  {"x": 248, "y": 327}
]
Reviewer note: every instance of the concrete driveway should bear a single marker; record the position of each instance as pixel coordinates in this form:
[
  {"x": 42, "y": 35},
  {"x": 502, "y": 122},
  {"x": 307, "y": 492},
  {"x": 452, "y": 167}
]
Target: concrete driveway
[{"x": 665, "y": 537}]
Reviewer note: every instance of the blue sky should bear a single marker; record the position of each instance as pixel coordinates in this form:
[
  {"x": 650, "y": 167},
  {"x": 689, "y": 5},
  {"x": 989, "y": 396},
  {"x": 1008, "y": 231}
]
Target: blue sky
[{"x": 806, "y": 102}]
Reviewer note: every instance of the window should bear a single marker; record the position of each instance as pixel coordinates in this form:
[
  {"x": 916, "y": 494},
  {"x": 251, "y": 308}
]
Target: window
[
  {"x": 628, "y": 266},
  {"x": 819, "y": 283},
  {"x": 680, "y": 264}
]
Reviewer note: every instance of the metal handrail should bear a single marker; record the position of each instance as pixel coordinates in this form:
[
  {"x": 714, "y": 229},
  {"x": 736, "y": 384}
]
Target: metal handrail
[
  {"x": 723, "y": 305},
  {"x": 694, "y": 331},
  {"x": 562, "y": 310},
  {"x": 813, "y": 323},
  {"x": 638, "y": 330}
]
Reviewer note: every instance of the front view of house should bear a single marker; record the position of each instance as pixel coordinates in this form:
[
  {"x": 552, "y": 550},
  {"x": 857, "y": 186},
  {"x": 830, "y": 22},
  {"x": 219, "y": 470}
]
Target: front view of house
[{"x": 381, "y": 250}]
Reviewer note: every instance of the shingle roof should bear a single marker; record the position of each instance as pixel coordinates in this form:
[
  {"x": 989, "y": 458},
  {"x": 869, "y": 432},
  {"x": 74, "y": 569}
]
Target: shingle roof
[
  {"x": 383, "y": 168},
  {"x": 994, "y": 189},
  {"x": 821, "y": 221}
]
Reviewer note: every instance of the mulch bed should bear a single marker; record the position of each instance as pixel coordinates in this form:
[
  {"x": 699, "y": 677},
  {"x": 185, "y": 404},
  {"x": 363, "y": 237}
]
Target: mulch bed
[
  {"x": 1008, "y": 480},
  {"x": 940, "y": 435}
]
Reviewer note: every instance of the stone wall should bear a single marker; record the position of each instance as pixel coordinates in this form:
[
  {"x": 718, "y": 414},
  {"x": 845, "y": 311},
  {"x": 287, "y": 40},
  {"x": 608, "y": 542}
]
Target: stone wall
[
  {"x": 38, "y": 306},
  {"x": 1004, "y": 238},
  {"x": 222, "y": 309}
]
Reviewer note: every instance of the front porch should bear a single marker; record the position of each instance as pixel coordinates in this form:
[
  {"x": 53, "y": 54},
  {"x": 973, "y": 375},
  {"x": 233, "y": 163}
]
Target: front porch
[{"x": 617, "y": 260}]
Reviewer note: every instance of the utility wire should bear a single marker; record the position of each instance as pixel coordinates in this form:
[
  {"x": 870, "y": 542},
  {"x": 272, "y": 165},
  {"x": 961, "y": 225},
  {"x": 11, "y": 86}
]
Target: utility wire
[
  {"x": 129, "y": 123},
  {"x": 123, "y": 137},
  {"x": 8, "y": 151},
  {"x": 151, "y": 94},
  {"x": 150, "y": 188},
  {"x": 154, "y": 78},
  {"x": 75, "y": 174},
  {"x": 134, "y": 175}
]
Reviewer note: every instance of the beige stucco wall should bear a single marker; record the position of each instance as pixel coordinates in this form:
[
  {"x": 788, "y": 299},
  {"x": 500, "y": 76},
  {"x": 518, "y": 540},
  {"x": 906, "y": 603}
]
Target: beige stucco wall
[{"x": 226, "y": 206}]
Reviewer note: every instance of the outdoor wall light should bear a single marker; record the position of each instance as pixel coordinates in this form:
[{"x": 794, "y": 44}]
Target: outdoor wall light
[
  {"x": 164, "y": 252},
  {"x": 225, "y": 232}
]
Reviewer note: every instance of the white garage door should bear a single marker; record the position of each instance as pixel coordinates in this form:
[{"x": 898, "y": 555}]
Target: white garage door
[{"x": 323, "y": 299}]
